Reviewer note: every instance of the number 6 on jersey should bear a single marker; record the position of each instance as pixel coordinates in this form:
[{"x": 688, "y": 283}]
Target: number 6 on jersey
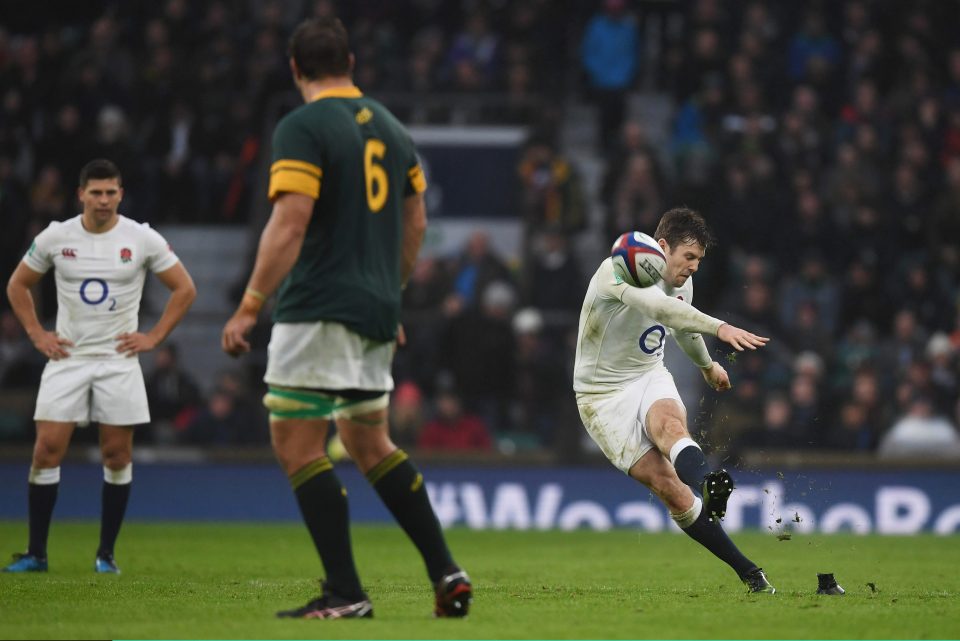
[{"x": 376, "y": 176}]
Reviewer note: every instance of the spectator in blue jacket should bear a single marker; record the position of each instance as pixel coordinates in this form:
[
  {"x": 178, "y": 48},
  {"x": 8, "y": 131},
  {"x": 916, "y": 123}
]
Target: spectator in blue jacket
[{"x": 610, "y": 53}]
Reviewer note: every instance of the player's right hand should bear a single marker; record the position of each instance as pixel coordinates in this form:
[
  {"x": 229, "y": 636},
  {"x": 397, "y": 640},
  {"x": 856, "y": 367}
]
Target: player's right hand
[
  {"x": 740, "y": 338},
  {"x": 52, "y": 346},
  {"x": 716, "y": 376},
  {"x": 234, "y": 338}
]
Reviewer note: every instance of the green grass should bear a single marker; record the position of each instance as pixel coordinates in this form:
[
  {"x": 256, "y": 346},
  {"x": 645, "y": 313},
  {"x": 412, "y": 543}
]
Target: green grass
[{"x": 219, "y": 581}]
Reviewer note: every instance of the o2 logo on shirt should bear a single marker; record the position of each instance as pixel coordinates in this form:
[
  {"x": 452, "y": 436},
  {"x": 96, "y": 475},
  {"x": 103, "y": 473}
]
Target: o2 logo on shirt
[
  {"x": 94, "y": 291},
  {"x": 651, "y": 341}
]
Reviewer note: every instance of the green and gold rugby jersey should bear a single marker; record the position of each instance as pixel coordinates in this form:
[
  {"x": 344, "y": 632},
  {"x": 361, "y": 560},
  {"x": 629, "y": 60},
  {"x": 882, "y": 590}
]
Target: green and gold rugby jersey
[{"x": 355, "y": 158}]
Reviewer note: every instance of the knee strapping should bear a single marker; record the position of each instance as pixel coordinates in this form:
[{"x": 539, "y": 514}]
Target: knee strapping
[
  {"x": 287, "y": 403},
  {"x": 353, "y": 409},
  {"x": 686, "y": 519}
]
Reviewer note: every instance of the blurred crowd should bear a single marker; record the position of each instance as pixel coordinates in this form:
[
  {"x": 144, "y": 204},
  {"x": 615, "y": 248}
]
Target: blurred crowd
[
  {"x": 820, "y": 139},
  {"x": 180, "y": 94}
]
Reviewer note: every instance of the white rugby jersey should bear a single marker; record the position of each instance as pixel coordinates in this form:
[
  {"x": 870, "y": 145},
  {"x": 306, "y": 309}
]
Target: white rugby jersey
[
  {"x": 623, "y": 329},
  {"x": 99, "y": 279}
]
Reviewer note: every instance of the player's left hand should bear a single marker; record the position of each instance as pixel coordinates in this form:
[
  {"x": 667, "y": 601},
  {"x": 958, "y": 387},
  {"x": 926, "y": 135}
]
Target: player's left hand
[
  {"x": 234, "y": 339},
  {"x": 132, "y": 343},
  {"x": 716, "y": 376},
  {"x": 740, "y": 339}
]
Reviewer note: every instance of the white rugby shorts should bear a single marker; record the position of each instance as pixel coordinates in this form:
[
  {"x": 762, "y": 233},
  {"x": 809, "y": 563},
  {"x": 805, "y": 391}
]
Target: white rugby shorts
[
  {"x": 81, "y": 390},
  {"x": 325, "y": 355},
  {"x": 616, "y": 421}
]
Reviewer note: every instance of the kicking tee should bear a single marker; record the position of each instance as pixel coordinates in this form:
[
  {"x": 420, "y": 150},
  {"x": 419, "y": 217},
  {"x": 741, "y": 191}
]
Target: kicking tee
[
  {"x": 99, "y": 279},
  {"x": 623, "y": 329}
]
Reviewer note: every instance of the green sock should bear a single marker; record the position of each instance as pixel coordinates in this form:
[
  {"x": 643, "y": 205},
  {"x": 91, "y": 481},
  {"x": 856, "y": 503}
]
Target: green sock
[
  {"x": 323, "y": 504},
  {"x": 401, "y": 488}
]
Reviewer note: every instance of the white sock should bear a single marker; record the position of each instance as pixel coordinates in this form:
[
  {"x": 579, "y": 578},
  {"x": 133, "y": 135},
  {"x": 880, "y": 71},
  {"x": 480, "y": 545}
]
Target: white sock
[
  {"x": 44, "y": 475},
  {"x": 122, "y": 476},
  {"x": 681, "y": 445}
]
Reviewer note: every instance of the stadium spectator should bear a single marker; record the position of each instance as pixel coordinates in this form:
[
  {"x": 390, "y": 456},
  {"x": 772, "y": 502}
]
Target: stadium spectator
[
  {"x": 776, "y": 431},
  {"x": 552, "y": 273},
  {"x": 551, "y": 193},
  {"x": 14, "y": 211},
  {"x": 811, "y": 290},
  {"x": 407, "y": 414},
  {"x": 452, "y": 429},
  {"x": 477, "y": 266},
  {"x": 20, "y": 364},
  {"x": 423, "y": 320},
  {"x": 223, "y": 421},
  {"x": 638, "y": 198},
  {"x": 903, "y": 346},
  {"x": 735, "y": 415},
  {"x": 474, "y": 55},
  {"x": 919, "y": 432},
  {"x": 854, "y": 432},
  {"x": 632, "y": 140},
  {"x": 475, "y": 349},
  {"x": 540, "y": 377},
  {"x": 814, "y": 53},
  {"x": 610, "y": 54},
  {"x": 855, "y": 349},
  {"x": 173, "y": 395},
  {"x": 862, "y": 297}
]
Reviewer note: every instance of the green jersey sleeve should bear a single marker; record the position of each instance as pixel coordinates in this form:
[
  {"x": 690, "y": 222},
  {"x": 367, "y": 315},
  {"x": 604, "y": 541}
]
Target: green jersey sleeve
[{"x": 297, "y": 166}]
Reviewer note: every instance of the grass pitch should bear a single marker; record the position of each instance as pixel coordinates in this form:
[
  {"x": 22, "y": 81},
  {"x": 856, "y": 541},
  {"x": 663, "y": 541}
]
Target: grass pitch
[{"x": 225, "y": 581}]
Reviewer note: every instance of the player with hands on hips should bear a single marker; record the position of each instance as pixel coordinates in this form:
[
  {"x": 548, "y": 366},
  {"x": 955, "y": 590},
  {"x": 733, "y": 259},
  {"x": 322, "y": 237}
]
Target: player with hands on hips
[{"x": 100, "y": 260}]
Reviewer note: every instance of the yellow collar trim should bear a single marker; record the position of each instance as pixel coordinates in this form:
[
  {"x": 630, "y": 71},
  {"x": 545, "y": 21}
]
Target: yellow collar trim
[{"x": 339, "y": 92}]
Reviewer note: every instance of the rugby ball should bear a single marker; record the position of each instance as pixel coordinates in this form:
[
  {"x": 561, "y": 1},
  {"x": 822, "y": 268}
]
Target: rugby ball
[{"x": 638, "y": 259}]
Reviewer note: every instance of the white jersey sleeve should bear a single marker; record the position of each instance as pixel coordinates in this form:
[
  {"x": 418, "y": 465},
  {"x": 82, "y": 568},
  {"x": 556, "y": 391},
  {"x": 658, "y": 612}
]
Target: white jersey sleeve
[
  {"x": 692, "y": 343},
  {"x": 159, "y": 254},
  {"x": 622, "y": 329},
  {"x": 39, "y": 257}
]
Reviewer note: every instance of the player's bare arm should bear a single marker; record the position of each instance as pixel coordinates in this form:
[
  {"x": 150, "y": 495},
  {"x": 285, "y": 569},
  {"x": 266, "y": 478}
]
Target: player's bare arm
[
  {"x": 279, "y": 248},
  {"x": 182, "y": 294},
  {"x": 47, "y": 343},
  {"x": 414, "y": 228}
]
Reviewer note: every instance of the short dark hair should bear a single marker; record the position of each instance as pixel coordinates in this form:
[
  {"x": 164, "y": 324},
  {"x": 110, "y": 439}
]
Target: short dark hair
[
  {"x": 99, "y": 169},
  {"x": 321, "y": 48},
  {"x": 684, "y": 226}
]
